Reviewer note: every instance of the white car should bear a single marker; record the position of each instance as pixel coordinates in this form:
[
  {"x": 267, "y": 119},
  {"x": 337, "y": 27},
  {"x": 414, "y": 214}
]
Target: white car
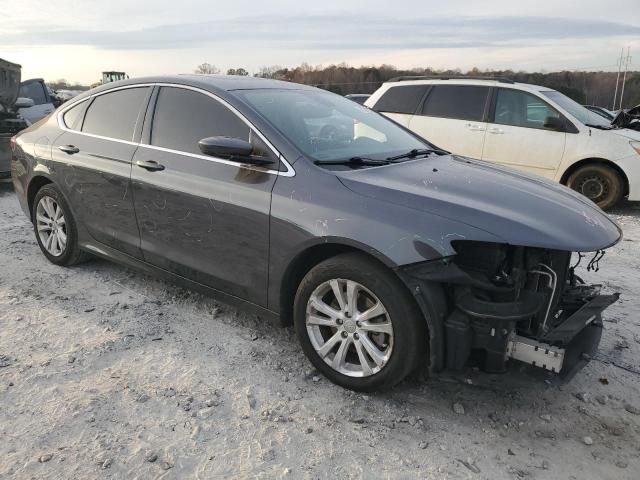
[
  {"x": 529, "y": 127},
  {"x": 36, "y": 90}
]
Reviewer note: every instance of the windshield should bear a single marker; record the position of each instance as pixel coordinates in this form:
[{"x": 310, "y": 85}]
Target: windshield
[
  {"x": 580, "y": 113},
  {"x": 325, "y": 126}
]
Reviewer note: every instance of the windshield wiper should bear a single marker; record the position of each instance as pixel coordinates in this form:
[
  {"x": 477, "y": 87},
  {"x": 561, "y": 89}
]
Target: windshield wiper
[
  {"x": 600, "y": 127},
  {"x": 353, "y": 161},
  {"x": 417, "y": 152}
]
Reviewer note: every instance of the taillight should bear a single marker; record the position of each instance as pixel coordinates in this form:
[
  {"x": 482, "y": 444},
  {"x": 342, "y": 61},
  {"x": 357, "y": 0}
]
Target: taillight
[{"x": 13, "y": 142}]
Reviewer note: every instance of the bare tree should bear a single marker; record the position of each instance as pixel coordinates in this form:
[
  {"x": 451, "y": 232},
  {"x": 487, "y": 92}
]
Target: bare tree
[{"x": 207, "y": 68}]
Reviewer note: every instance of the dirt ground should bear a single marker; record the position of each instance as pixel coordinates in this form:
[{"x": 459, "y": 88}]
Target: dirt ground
[{"x": 107, "y": 373}]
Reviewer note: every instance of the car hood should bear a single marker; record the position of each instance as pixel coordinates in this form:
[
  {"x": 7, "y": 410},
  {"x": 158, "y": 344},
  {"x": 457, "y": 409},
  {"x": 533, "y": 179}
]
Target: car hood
[
  {"x": 626, "y": 133},
  {"x": 518, "y": 208},
  {"x": 9, "y": 84}
]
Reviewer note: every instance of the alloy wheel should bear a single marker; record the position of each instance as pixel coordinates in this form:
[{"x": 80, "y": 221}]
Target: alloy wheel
[
  {"x": 51, "y": 225},
  {"x": 349, "y": 328}
]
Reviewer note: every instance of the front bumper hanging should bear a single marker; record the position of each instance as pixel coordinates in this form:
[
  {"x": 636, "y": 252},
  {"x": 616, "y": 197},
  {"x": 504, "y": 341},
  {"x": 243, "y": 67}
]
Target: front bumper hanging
[{"x": 569, "y": 346}]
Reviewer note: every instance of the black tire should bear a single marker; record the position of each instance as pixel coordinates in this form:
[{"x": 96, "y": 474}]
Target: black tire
[
  {"x": 71, "y": 254},
  {"x": 409, "y": 344},
  {"x": 599, "y": 183}
]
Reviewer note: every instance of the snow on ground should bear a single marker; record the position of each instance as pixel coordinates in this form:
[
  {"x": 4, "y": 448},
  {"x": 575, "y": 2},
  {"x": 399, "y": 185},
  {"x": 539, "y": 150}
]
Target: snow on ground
[{"x": 108, "y": 373}]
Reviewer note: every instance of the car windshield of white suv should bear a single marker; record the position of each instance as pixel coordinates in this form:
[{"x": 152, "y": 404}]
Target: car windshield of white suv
[
  {"x": 327, "y": 127},
  {"x": 582, "y": 114}
]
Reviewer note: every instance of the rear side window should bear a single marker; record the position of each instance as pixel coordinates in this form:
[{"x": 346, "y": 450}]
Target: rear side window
[
  {"x": 459, "y": 102},
  {"x": 73, "y": 117},
  {"x": 404, "y": 99},
  {"x": 115, "y": 114},
  {"x": 521, "y": 109},
  {"x": 183, "y": 117}
]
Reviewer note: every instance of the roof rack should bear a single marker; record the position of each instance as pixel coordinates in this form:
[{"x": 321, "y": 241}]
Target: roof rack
[{"x": 447, "y": 77}]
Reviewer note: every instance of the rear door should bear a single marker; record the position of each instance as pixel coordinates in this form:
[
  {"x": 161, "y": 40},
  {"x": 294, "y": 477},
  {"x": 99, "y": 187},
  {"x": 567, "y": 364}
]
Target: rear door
[
  {"x": 93, "y": 157},
  {"x": 453, "y": 117},
  {"x": 202, "y": 217},
  {"x": 517, "y": 135}
]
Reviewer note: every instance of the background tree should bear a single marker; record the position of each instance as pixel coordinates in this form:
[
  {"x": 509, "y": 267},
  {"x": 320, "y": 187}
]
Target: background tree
[
  {"x": 237, "y": 71},
  {"x": 207, "y": 68},
  {"x": 594, "y": 88}
]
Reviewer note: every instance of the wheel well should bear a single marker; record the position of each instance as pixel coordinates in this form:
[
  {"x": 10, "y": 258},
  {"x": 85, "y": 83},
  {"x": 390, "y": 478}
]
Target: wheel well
[
  {"x": 596, "y": 161},
  {"x": 301, "y": 265},
  {"x": 36, "y": 184}
]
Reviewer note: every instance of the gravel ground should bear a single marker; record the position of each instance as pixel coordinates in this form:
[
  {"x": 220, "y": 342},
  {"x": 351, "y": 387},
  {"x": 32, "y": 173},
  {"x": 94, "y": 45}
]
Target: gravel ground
[{"x": 108, "y": 373}]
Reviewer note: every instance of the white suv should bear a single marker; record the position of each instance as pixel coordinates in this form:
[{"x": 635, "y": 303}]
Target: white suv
[{"x": 519, "y": 125}]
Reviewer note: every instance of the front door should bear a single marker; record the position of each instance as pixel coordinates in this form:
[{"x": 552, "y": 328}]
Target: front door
[
  {"x": 517, "y": 135},
  {"x": 202, "y": 217},
  {"x": 452, "y": 118}
]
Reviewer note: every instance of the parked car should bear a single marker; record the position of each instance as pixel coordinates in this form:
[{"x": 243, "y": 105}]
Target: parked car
[
  {"x": 627, "y": 118},
  {"x": 43, "y": 100},
  {"x": 10, "y": 121},
  {"x": 518, "y": 125},
  {"x": 603, "y": 112},
  {"x": 358, "y": 97},
  {"x": 384, "y": 251}
]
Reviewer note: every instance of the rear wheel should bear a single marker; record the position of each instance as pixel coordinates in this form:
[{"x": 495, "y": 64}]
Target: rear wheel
[
  {"x": 357, "y": 323},
  {"x": 599, "y": 183},
  {"x": 55, "y": 227}
]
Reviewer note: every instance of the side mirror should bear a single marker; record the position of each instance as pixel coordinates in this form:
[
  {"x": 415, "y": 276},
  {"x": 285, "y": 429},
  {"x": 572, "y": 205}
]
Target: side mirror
[
  {"x": 232, "y": 149},
  {"x": 555, "y": 123},
  {"x": 24, "y": 102}
]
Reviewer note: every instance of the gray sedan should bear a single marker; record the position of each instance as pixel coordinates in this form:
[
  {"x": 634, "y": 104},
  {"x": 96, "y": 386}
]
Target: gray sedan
[{"x": 387, "y": 253}]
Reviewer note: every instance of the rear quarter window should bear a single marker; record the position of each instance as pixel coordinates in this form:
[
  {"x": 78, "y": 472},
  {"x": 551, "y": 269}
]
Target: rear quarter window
[
  {"x": 73, "y": 117},
  {"x": 460, "y": 102},
  {"x": 401, "y": 99}
]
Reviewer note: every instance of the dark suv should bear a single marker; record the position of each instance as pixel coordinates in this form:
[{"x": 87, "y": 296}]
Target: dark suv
[{"x": 382, "y": 249}]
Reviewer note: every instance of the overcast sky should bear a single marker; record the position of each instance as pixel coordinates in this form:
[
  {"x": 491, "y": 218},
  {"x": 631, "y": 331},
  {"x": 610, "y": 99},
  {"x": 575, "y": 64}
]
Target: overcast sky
[{"x": 78, "y": 39}]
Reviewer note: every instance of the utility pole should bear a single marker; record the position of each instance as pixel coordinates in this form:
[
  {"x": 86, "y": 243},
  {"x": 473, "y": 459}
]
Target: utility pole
[
  {"x": 624, "y": 77},
  {"x": 615, "y": 95}
]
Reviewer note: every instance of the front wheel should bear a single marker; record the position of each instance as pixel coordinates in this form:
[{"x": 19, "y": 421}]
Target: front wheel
[
  {"x": 599, "y": 183},
  {"x": 358, "y": 324}
]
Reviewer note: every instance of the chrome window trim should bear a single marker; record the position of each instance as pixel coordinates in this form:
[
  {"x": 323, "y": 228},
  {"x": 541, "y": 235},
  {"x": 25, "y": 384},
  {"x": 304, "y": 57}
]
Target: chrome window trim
[{"x": 290, "y": 172}]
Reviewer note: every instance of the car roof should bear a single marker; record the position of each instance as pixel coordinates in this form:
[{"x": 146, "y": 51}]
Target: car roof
[
  {"x": 469, "y": 81},
  {"x": 210, "y": 82},
  {"x": 220, "y": 84}
]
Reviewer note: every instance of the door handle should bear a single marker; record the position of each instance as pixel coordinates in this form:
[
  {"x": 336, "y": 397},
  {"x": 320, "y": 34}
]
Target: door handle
[
  {"x": 150, "y": 165},
  {"x": 69, "y": 149},
  {"x": 476, "y": 127},
  {"x": 496, "y": 131}
]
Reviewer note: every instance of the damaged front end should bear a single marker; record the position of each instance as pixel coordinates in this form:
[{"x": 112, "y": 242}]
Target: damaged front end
[
  {"x": 629, "y": 118},
  {"x": 516, "y": 302}
]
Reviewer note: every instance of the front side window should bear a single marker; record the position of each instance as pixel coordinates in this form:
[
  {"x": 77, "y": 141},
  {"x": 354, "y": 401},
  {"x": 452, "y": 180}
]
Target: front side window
[
  {"x": 183, "y": 117},
  {"x": 402, "y": 99},
  {"x": 325, "y": 126},
  {"x": 115, "y": 114},
  {"x": 521, "y": 109},
  {"x": 460, "y": 102},
  {"x": 34, "y": 91}
]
